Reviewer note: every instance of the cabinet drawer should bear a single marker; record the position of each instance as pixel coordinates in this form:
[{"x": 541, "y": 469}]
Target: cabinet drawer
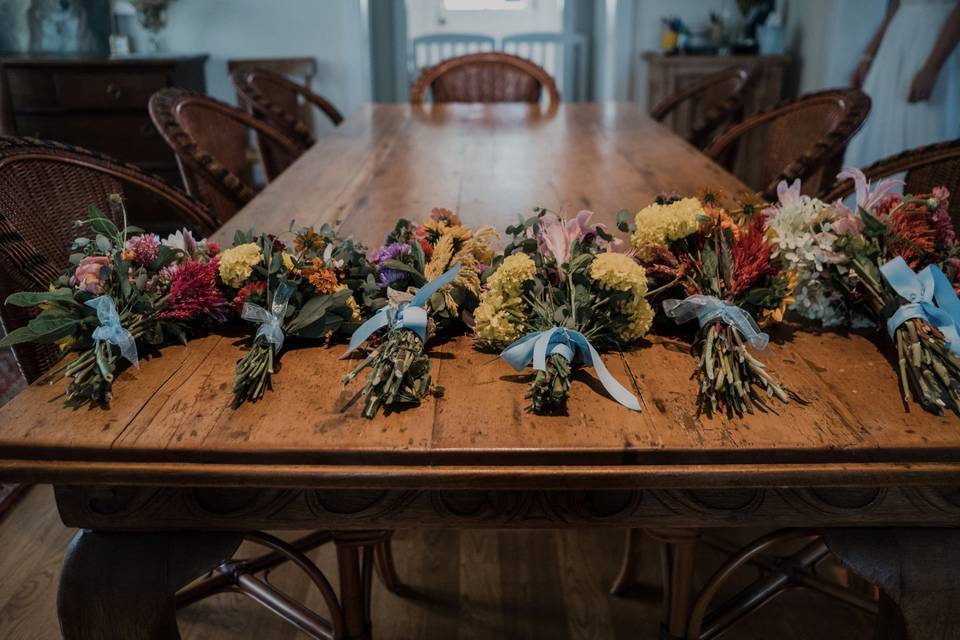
[
  {"x": 131, "y": 138},
  {"x": 108, "y": 88},
  {"x": 31, "y": 89}
]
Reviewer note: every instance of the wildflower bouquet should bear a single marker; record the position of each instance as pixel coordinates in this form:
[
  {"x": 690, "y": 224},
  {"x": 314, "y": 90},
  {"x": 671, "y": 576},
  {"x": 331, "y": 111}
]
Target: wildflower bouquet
[
  {"x": 894, "y": 247},
  {"x": 734, "y": 285},
  {"x": 317, "y": 288},
  {"x": 430, "y": 274},
  {"x": 123, "y": 287},
  {"x": 559, "y": 293}
]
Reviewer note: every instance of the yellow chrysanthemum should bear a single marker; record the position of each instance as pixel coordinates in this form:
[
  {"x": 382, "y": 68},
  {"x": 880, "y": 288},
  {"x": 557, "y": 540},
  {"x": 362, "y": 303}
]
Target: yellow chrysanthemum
[
  {"x": 664, "y": 223},
  {"x": 237, "y": 263},
  {"x": 618, "y": 272},
  {"x": 500, "y": 316}
]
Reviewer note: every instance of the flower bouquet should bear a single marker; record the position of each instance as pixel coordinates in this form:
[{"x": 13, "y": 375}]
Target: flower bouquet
[
  {"x": 894, "y": 247},
  {"x": 559, "y": 293},
  {"x": 430, "y": 274},
  {"x": 313, "y": 291},
  {"x": 733, "y": 285},
  {"x": 124, "y": 287}
]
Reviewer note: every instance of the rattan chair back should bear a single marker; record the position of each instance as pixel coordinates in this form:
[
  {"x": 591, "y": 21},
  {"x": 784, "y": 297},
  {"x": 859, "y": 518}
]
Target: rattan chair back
[
  {"x": 800, "y": 138},
  {"x": 704, "y": 109},
  {"x": 484, "y": 77},
  {"x": 209, "y": 139},
  {"x": 277, "y": 100}
]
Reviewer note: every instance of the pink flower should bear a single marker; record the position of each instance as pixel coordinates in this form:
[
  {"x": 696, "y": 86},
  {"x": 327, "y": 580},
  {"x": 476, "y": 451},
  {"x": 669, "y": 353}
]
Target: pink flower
[
  {"x": 87, "y": 275},
  {"x": 556, "y": 235},
  {"x": 869, "y": 196},
  {"x": 144, "y": 248}
]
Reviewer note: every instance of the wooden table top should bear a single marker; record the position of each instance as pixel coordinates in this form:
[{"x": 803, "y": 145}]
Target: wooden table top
[{"x": 171, "y": 421}]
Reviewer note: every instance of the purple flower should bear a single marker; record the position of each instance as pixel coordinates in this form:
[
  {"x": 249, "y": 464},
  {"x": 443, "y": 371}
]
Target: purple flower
[{"x": 394, "y": 251}]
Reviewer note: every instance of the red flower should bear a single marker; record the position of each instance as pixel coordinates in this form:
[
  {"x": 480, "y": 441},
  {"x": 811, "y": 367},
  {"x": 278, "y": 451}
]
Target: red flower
[
  {"x": 913, "y": 234},
  {"x": 194, "y": 292},
  {"x": 751, "y": 256},
  {"x": 248, "y": 290}
]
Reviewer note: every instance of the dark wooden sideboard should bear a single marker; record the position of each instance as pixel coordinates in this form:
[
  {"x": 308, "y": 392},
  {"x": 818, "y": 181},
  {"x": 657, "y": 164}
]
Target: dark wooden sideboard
[{"x": 96, "y": 102}]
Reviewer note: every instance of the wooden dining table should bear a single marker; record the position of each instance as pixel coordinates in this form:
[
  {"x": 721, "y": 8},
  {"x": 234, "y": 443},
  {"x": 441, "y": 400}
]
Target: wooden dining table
[{"x": 166, "y": 481}]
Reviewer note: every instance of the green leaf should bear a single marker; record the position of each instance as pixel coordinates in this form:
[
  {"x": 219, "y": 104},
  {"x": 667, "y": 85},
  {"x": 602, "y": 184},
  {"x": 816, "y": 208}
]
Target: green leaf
[
  {"x": 18, "y": 336},
  {"x": 33, "y": 298},
  {"x": 623, "y": 220},
  {"x": 872, "y": 225},
  {"x": 50, "y": 327},
  {"x": 314, "y": 309},
  {"x": 419, "y": 259},
  {"x": 103, "y": 244}
]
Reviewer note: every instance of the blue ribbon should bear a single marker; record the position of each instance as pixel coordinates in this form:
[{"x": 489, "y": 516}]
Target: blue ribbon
[
  {"x": 931, "y": 298},
  {"x": 271, "y": 322},
  {"x": 535, "y": 347},
  {"x": 707, "y": 309},
  {"x": 408, "y": 315},
  {"x": 110, "y": 329}
]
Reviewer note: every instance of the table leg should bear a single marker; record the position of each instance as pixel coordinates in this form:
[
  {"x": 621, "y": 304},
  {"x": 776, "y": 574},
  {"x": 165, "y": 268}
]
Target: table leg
[
  {"x": 677, "y": 551},
  {"x": 916, "y": 570},
  {"x": 355, "y": 558},
  {"x": 629, "y": 564},
  {"x": 122, "y": 585}
]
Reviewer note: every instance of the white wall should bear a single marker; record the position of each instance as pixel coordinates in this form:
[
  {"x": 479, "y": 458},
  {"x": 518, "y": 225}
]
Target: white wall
[
  {"x": 332, "y": 31},
  {"x": 429, "y": 16}
]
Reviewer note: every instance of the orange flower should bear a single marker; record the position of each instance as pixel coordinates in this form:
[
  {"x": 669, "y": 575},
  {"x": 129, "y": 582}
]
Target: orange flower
[
  {"x": 308, "y": 241},
  {"x": 440, "y": 214},
  {"x": 720, "y": 218},
  {"x": 324, "y": 281}
]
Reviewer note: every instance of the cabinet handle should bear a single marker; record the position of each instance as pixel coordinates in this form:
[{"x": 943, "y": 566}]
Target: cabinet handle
[{"x": 114, "y": 91}]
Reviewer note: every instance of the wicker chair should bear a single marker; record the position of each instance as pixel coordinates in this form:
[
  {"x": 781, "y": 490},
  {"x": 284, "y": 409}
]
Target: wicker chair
[
  {"x": 484, "y": 77},
  {"x": 209, "y": 139},
  {"x": 273, "y": 98},
  {"x": 701, "y": 111},
  {"x": 44, "y": 187},
  {"x": 800, "y": 138},
  {"x": 935, "y": 165}
]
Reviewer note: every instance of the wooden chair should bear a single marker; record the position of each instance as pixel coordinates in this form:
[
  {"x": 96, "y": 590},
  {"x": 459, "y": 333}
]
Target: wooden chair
[
  {"x": 701, "y": 111},
  {"x": 431, "y": 49},
  {"x": 209, "y": 139},
  {"x": 935, "y": 165},
  {"x": 276, "y": 100},
  {"x": 44, "y": 187},
  {"x": 563, "y": 55},
  {"x": 800, "y": 138},
  {"x": 484, "y": 77}
]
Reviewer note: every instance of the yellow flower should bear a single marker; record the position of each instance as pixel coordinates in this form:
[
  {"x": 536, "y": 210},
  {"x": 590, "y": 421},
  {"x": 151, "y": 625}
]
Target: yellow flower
[
  {"x": 773, "y": 316},
  {"x": 236, "y": 263},
  {"x": 352, "y": 304},
  {"x": 288, "y": 262},
  {"x": 500, "y": 316},
  {"x": 460, "y": 244},
  {"x": 664, "y": 223},
  {"x": 618, "y": 272}
]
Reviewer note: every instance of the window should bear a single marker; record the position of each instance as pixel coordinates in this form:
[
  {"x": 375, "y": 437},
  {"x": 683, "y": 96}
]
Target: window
[{"x": 484, "y": 5}]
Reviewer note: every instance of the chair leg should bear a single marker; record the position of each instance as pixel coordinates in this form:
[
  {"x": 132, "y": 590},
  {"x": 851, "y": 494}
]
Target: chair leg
[
  {"x": 626, "y": 577},
  {"x": 386, "y": 570},
  {"x": 677, "y": 551}
]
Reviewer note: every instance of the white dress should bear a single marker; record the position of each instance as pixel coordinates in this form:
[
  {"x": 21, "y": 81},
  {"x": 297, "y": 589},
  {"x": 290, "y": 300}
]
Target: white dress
[{"x": 895, "y": 125}]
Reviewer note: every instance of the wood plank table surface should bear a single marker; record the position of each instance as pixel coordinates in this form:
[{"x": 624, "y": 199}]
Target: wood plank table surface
[{"x": 171, "y": 454}]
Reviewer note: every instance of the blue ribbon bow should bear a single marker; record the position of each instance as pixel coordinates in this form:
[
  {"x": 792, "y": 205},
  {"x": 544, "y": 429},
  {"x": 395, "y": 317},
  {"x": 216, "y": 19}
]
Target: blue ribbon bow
[
  {"x": 707, "y": 309},
  {"x": 271, "y": 322},
  {"x": 931, "y": 298},
  {"x": 110, "y": 329},
  {"x": 535, "y": 347},
  {"x": 408, "y": 315}
]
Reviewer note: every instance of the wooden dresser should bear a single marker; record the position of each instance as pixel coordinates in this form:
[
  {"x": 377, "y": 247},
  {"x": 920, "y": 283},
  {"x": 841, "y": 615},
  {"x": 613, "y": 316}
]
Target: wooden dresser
[
  {"x": 97, "y": 103},
  {"x": 668, "y": 74}
]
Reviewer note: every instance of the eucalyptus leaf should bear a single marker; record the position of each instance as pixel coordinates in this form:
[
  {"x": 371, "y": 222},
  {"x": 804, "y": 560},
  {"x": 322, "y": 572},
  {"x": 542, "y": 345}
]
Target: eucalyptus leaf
[
  {"x": 103, "y": 244},
  {"x": 33, "y": 298}
]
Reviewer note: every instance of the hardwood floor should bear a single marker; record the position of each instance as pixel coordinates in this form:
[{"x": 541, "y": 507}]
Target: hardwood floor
[{"x": 469, "y": 585}]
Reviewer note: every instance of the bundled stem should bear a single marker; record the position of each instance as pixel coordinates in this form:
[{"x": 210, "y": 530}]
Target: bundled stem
[
  {"x": 252, "y": 374},
  {"x": 551, "y": 387},
  {"x": 91, "y": 373},
  {"x": 730, "y": 378},
  {"x": 929, "y": 371},
  {"x": 400, "y": 372}
]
